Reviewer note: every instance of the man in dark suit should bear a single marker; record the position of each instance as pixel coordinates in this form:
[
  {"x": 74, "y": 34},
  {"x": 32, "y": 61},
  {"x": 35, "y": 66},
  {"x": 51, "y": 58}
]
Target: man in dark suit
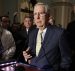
[
  {"x": 26, "y": 28},
  {"x": 54, "y": 53},
  {"x": 22, "y": 37}
]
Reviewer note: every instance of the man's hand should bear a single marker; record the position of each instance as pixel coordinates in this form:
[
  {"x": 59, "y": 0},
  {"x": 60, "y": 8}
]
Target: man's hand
[{"x": 26, "y": 55}]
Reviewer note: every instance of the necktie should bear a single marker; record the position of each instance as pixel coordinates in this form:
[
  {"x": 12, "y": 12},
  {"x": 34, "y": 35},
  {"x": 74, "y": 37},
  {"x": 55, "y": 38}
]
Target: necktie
[{"x": 39, "y": 42}]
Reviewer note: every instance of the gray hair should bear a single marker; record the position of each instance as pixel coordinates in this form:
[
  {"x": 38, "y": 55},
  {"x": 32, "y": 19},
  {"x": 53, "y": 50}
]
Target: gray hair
[{"x": 47, "y": 9}]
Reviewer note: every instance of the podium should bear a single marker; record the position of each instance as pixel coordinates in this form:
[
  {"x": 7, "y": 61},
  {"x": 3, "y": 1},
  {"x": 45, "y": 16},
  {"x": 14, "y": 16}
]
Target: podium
[
  {"x": 27, "y": 67},
  {"x": 14, "y": 66}
]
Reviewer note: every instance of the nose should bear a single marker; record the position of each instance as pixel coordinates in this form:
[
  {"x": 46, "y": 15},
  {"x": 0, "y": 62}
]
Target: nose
[{"x": 38, "y": 16}]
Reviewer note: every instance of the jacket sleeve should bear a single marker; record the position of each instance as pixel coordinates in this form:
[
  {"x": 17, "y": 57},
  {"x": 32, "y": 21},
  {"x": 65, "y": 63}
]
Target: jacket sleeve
[{"x": 8, "y": 45}]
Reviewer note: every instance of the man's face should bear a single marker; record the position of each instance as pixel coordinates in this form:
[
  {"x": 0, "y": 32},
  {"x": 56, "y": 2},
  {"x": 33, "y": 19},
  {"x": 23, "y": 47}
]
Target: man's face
[
  {"x": 27, "y": 22},
  {"x": 40, "y": 17},
  {"x": 5, "y": 22}
]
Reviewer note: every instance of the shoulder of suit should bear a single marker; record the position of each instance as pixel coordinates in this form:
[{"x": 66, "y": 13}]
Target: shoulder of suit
[
  {"x": 33, "y": 32},
  {"x": 56, "y": 29},
  {"x": 6, "y": 31}
]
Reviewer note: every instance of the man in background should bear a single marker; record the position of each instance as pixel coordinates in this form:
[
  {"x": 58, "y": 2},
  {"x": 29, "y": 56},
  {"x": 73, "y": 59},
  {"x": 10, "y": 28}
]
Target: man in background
[
  {"x": 5, "y": 22},
  {"x": 23, "y": 37}
]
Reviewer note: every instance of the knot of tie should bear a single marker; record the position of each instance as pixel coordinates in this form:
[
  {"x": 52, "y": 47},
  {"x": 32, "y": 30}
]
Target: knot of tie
[{"x": 40, "y": 32}]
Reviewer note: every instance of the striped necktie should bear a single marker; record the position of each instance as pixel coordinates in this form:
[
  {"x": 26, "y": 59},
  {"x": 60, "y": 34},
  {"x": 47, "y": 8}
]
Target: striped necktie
[{"x": 39, "y": 42}]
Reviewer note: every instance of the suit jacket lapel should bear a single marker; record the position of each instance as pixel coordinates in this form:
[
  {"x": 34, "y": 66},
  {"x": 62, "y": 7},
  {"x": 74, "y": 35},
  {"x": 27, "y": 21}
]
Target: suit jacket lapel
[{"x": 35, "y": 36}]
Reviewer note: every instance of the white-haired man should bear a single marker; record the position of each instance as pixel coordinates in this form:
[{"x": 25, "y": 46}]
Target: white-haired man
[{"x": 54, "y": 53}]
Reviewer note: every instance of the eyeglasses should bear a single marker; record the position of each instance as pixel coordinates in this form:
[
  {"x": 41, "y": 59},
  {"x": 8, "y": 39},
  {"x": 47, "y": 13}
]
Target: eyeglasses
[{"x": 40, "y": 14}]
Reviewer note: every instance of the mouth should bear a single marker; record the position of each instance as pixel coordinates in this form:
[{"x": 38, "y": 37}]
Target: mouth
[{"x": 38, "y": 21}]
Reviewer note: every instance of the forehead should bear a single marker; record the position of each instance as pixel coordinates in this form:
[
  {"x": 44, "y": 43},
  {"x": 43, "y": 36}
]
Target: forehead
[
  {"x": 27, "y": 18},
  {"x": 39, "y": 8}
]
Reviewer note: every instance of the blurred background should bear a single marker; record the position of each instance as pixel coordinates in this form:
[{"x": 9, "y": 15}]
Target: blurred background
[{"x": 63, "y": 11}]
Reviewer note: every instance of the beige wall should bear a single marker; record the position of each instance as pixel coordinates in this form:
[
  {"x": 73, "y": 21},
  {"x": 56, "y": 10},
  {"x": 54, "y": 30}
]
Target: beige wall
[
  {"x": 23, "y": 4},
  {"x": 62, "y": 13}
]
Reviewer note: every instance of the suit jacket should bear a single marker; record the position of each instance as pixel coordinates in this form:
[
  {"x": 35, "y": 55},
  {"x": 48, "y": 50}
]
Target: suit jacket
[
  {"x": 8, "y": 44},
  {"x": 54, "y": 53},
  {"x": 22, "y": 43}
]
